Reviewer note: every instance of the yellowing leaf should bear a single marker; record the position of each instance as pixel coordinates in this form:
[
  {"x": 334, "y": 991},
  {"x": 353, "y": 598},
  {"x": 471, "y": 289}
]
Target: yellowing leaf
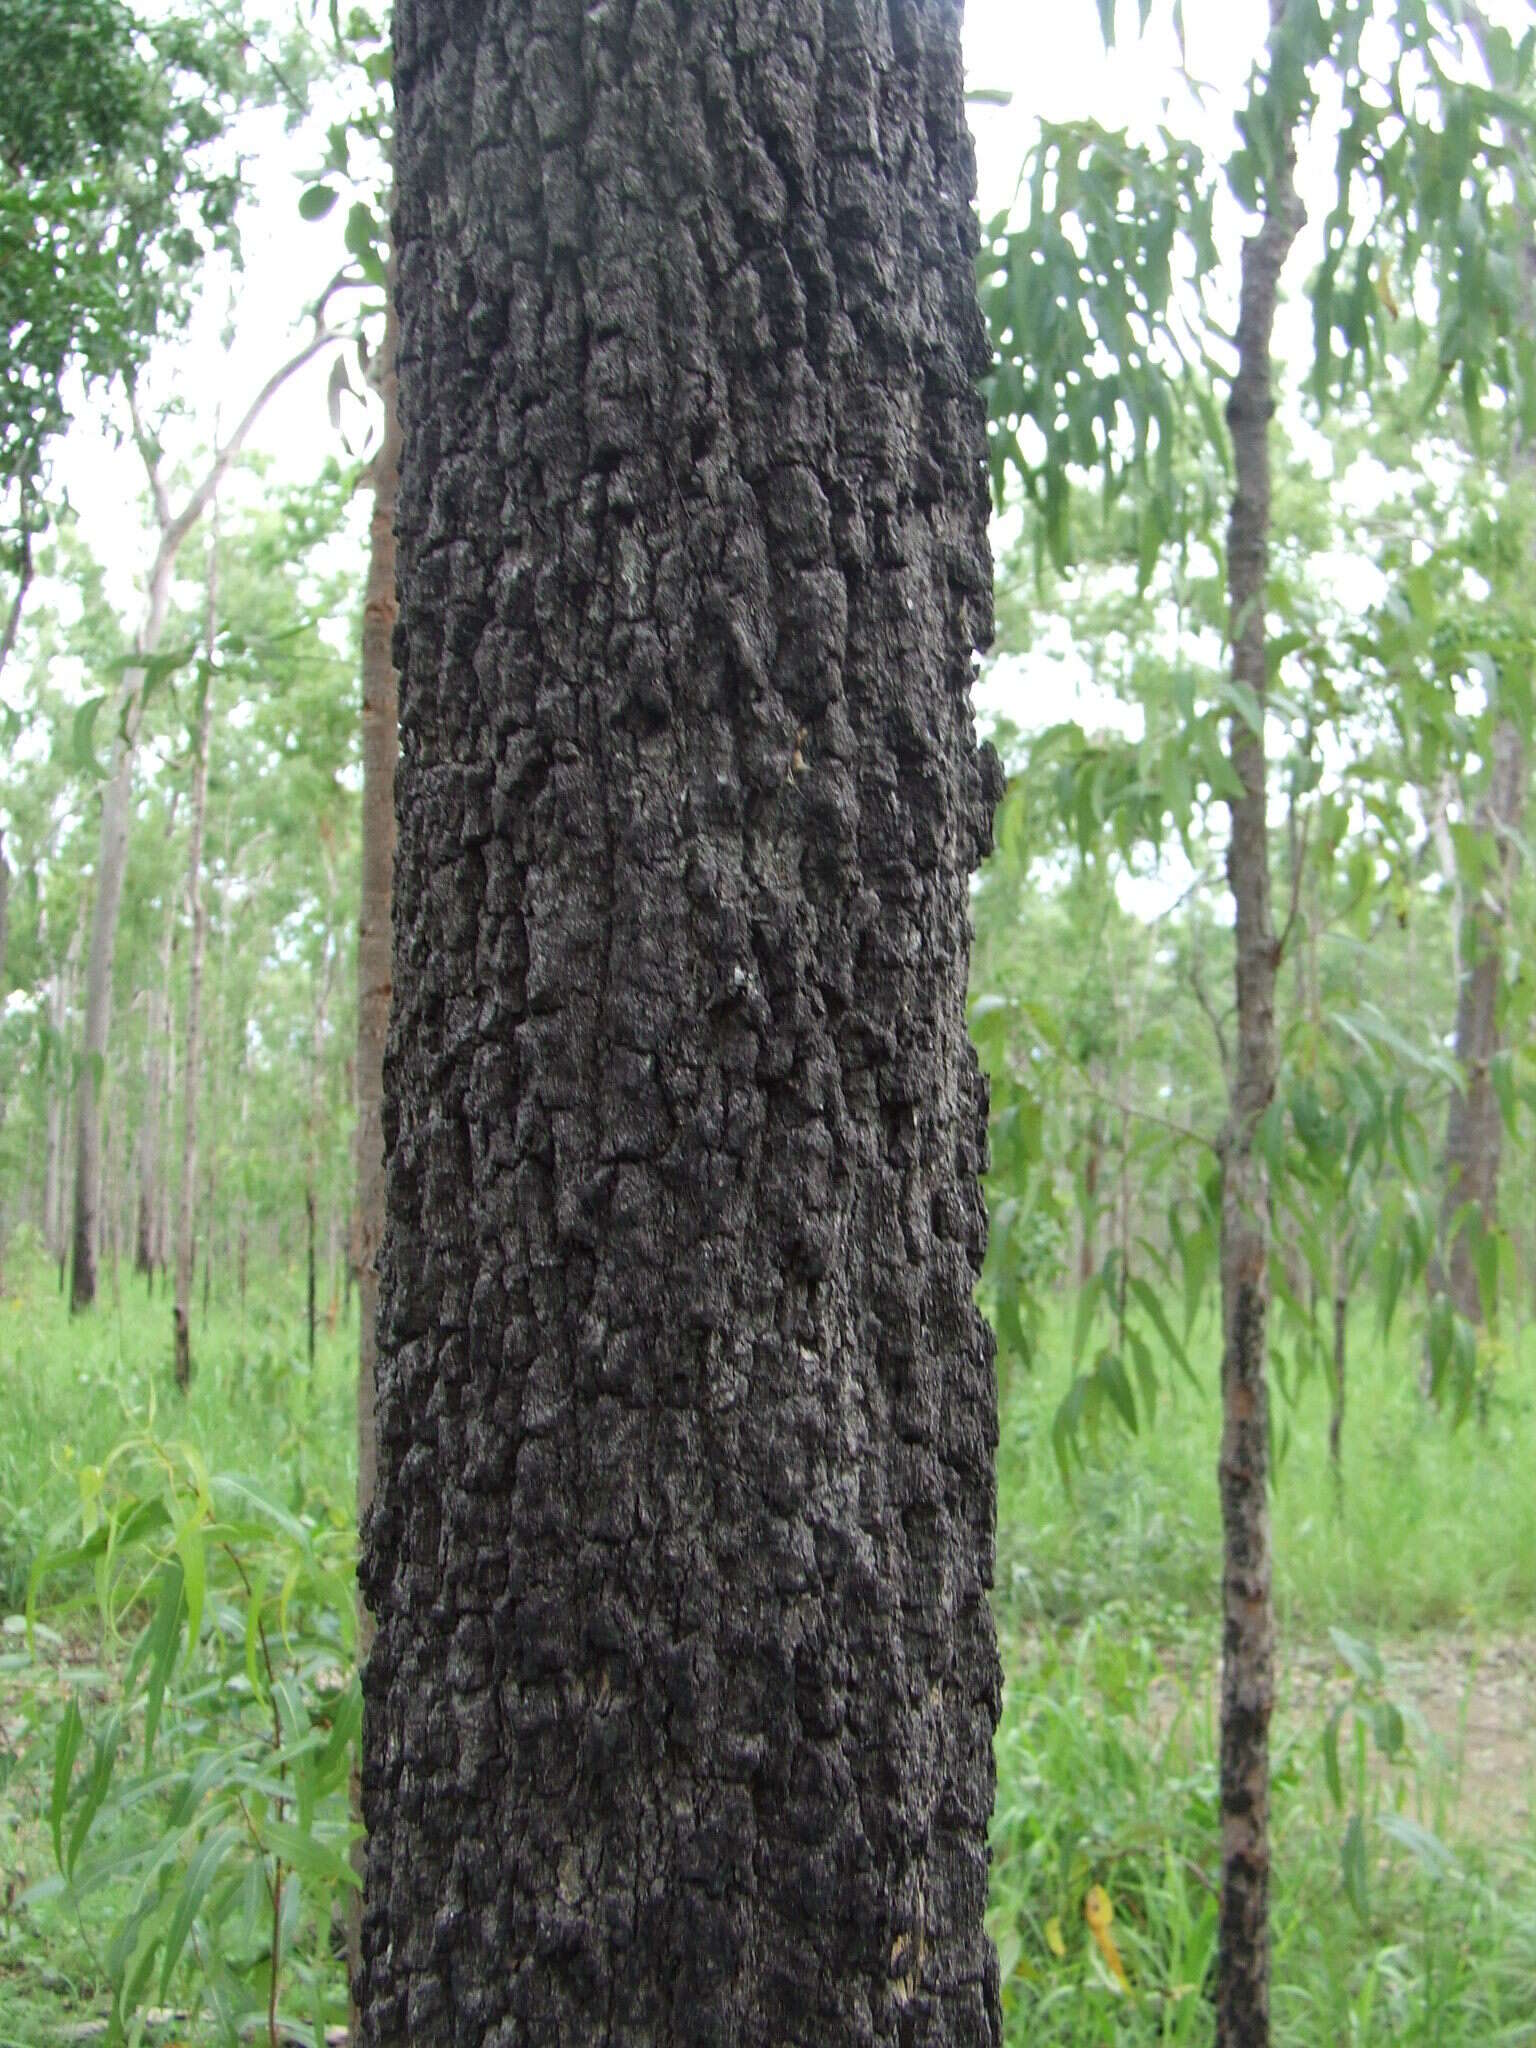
[
  {"x": 1099, "y": 1912},
  {"x": 1053, "y": 1940}
]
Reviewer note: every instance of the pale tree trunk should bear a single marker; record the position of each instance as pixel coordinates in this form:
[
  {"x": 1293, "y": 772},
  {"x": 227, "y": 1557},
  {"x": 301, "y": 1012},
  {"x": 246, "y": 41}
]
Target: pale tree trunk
[
  {"x": 373, "y": 971},
  {"x": 323, "y": 983},
  {"x": 197, "y": 914},
  {"x": 1474, "y": 1124},
  {"x": 5, "y": 936},
  {"x": 111, "y": 861},
  {"x": 117, "y": 804},
  {"x": 151, "y": 1147},
  {"x": 1248, "y": 1635},
  {"x": 61, "y": 999},
  {"x": 681, "y": 1704}
]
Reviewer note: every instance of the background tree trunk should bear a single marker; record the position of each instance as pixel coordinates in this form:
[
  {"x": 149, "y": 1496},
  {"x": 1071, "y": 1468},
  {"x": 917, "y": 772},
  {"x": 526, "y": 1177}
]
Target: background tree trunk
[
  {"x": 111, "y": 863},
  {"x": 151, "y": 1152},
  {"x": 117, "y": 800},
  {"x": 380, "y": 743},
  {"x": 1248, "y": 1632},
  {"x": 1474, "y": 1125},
  {"x": 197, "y": 917},
  {"x": 681, "y": 1706},
  {"x": 5, "y": 934}
]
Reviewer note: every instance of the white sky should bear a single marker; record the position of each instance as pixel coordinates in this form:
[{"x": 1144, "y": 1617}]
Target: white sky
[{"x": 1050, "y": 60}]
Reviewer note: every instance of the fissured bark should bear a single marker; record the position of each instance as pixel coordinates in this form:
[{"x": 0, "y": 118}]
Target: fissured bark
[{"x": 680, "y": 1709}]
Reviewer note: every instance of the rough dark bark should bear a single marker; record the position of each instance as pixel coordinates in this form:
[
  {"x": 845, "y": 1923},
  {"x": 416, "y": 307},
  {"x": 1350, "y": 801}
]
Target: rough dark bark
[
  {"x": 1248, "y": 1621},
  {"x": 1474, "y": 1124},
  {"x": 680, "y": 1710}
]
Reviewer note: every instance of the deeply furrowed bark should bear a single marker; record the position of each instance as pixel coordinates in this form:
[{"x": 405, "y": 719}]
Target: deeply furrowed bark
[
  {"x": 1248, "y": 1623},
  {"x": 680, "y": 1710}
]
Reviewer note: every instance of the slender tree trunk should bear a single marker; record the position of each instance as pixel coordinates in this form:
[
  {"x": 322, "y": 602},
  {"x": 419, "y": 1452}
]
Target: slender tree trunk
[
  {"x": 111, "y": 862},
  {"x": 1248, "y": 1637},
  {"x": 197, "y": 913},
  {"x": 117, "y": 802},
  {"x": 151, "y": 1151},
  {"x": 309, "y": 1243},
  {"x": 1341, "y": 1258},
  {"x": 373, "y": 987},
  {"x": 5, "y": 936},
  {"x": 1088, "y": 1255},
  {"x": 680, "y": 1710},
  {"x": 1474, "y": 1125}
]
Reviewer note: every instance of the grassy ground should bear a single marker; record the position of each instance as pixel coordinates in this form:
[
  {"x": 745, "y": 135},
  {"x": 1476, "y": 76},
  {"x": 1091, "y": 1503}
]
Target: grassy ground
[{"x": 1408, "y": 1620}]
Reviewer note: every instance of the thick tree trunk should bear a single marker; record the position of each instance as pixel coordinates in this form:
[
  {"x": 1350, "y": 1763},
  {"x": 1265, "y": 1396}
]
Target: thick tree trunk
[
  {"x": 1248, "y": 1631},
  {"x": 1474, "y": 1125},
  {"x": 681, "y": 1705},
  {"x": 192, "y": 1064}
]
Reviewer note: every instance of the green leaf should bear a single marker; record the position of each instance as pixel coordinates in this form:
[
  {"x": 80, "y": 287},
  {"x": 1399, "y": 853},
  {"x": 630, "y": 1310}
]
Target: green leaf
[
  {"x": 81, "y": 745},
  {"x": 162, "y": 1638},
  {"x": 1115, "y": 1382},
  {"x": 1354, "y": 1865},
  {"x": 1427, "y": 1849},
  {"x": 1156, "y": 1315},
  {"x": 317, "y": 201},
  {"x": 94, "y": 1791},
  {"x": 66, "y": 1747},
  {"x": 1359, "y": 1657},
  {"x": 1331, "y": 1770},
  {"x": 201, "y": 1872}
]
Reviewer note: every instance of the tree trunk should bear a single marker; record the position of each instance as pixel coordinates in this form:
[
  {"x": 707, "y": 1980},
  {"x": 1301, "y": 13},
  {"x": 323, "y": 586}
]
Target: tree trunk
[
  {"x": 681, "y": 1706},
  {"x": 5, "y": 934},
  {"x": 1248, "y": 1635},
  {"x": 1340, "y": 1360},
  {"x": 1474, "y": 1125},
  {"x": 197, "y": 914},
  {"x": 373, "y": 970},
  {"x": 117, "y": 799},
  {"x": 157, "y": 1024},
  {"x": 309, "y": 1241},
  {"x": 111, "y": 861}
]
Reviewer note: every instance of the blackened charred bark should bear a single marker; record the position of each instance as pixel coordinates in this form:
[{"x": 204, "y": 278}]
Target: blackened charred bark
[
  {"x": 1474, "y": 1123},
  {"x": 680, "y": 1710},
  {"x": 1248, "y": 1622}
]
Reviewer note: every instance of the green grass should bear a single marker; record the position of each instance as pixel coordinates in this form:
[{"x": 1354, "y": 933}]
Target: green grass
[
  {"x": 1437, "y": 1527},
  {"x": 1107, "y": 1604}
]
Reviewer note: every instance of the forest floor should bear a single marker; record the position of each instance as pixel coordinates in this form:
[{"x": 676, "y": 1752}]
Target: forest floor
[{"x": 1405, "y": 1877}]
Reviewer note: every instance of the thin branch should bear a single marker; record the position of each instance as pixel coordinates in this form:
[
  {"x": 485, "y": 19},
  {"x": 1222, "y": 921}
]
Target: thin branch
[
  {"x": 150, "y": 455},
  {"x": 1298, "y": 869},
  {"x": 1202, "y": 997},
  {"x": 23, "y": 584}
]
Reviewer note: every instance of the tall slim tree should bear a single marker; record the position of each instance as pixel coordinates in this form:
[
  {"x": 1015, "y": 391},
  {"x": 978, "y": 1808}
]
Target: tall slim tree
[
  {"x": 197, "y": 921},
  {"x": 173, "y": 526},
  {"x": 680, "y": 1708},
  {"x": 1248, "y": 1617}
]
